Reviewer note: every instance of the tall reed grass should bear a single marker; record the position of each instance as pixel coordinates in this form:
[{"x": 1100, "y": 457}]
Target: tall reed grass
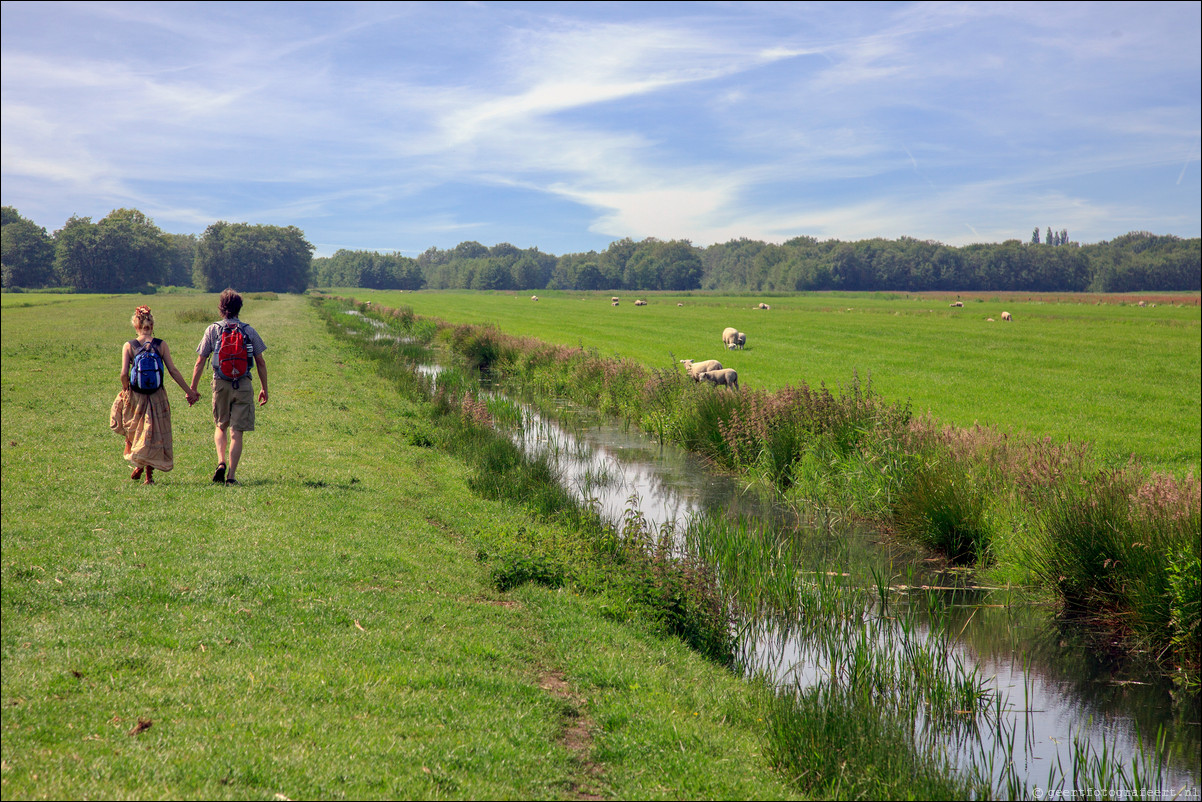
[{"x": 881, "y": 701}]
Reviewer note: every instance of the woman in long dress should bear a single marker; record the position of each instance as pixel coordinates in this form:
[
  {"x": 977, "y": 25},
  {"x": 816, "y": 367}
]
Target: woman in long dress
[{"x": 145, "y": 418}]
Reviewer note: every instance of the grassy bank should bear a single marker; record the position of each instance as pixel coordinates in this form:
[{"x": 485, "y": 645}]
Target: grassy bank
[
  {"x": 328, "y": 629},
  {"x": 1117, "y": 544}
]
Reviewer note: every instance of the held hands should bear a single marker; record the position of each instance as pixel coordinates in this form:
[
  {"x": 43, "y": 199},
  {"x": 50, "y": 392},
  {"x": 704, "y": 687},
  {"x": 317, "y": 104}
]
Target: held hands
[{"x": 193, "y": 396}]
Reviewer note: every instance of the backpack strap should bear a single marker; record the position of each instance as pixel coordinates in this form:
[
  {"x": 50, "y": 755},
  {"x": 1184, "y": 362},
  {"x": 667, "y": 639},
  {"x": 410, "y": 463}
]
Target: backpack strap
[{"x": 216, "y": 329}]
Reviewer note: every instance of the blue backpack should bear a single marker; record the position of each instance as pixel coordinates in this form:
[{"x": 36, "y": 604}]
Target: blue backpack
[{"x": 146, "y": 368}]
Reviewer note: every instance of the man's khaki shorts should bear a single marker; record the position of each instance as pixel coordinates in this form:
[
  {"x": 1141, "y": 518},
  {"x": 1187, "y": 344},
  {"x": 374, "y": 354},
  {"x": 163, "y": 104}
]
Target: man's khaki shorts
[{"x": 232, "y": 407}]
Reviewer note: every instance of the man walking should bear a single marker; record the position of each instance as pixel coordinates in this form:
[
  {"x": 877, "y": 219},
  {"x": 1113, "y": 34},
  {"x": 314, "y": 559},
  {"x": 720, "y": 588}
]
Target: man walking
[{"x": 233, "y": 346}]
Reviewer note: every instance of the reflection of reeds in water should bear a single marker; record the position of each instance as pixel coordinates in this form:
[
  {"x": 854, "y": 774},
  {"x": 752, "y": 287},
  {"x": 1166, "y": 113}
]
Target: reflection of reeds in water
[{"x": 879, "y": 682}]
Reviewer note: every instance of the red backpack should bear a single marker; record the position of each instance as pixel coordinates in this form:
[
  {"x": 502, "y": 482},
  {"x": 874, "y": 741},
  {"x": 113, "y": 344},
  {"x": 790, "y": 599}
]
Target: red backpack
[{"x": 234, "y": 353}]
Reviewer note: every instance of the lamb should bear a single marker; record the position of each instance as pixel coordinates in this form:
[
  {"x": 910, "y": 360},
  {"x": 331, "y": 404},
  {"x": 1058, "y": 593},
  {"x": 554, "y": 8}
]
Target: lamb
[
  {"x": 1006, "y": 317},
  {"x": 741, "y": 340},
  {"x": 695, "y": 369},
  {"x": 729, "y": 337},
  {"x": 724, "y": 378}
]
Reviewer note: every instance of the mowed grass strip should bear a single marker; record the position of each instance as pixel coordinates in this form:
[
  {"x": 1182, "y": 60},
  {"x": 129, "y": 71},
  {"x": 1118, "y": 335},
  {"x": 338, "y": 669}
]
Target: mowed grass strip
[
  {"x": 325, "y": 630},
  {"x": 1123, "y": 378}
]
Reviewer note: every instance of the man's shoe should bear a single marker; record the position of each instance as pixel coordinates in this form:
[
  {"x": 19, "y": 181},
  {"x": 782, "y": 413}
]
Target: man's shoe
[{"x": 219, "y": 474}]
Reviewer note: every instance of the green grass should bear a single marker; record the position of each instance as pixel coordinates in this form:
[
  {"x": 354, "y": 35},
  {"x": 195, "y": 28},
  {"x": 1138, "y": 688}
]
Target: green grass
[
  {"x": 1121, "y": 377},
  {"x": 325, "y": 630}
]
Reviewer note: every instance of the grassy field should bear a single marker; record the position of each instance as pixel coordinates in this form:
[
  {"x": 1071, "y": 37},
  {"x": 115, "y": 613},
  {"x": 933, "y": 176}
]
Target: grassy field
[
  {"x": 325, "y": 630},
  {"x": 1124, "y": 378}
]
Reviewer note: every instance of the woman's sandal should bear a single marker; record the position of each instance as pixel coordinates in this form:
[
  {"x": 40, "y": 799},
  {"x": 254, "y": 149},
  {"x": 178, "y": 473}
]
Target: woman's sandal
[
  {"x": 137, "y": 474},
  {"x": 149, "y": 476}
]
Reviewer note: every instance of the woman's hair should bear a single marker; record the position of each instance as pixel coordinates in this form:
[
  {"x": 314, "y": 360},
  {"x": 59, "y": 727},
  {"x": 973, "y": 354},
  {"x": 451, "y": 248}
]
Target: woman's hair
[
  {"x": 142, "y": 319},
  {"x": 230, "y": 303}
]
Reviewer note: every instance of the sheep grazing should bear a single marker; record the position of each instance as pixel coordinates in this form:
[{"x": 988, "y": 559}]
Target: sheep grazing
[
  {"x": 640, "y": 302},
  {"x": 534, "y": 297},
  {"x": 729, "y": 337},
  {"x": 957, "y": 304},
  {"x": 680, "y": 304},
  {"x": 614, "y": 300},
  {"x": 695, "y": 369},
  {"x": 1006, "y": 317},
  {"x": 613, "y": 303},
  {"x": 763, "y": 306},
  {"x": 723, "y": 378},
  {"x": 740, "y": 340}
]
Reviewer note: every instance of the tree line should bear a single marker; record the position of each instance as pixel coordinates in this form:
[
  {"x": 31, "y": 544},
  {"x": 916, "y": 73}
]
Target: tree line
[
  {"x": 1133, "y": 262},
  {"x": 127, "y": 252}
]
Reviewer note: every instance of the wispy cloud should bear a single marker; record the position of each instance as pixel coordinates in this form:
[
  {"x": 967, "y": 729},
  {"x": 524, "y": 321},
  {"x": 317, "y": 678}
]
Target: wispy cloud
[{"x": 701, "y": 121}]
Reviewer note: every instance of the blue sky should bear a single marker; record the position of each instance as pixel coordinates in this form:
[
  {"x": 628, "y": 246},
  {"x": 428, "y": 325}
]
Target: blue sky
[{"x": 565, "y": 126}]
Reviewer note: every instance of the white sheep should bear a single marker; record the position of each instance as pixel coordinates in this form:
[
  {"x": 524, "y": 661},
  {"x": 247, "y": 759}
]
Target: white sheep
[
  {"x": 740, "y": 340},
  {"x": 534, "y": 297},
  {"x": 957, "y": 305},
  {"x": 1006, "y": 317},
  {"x": 727, "y": 377},
  {"x": 695, "y": 369},
  {"x": 763, "y": 306},
  {"x": 640, "y": 302},
  {"x": 613, "y": 303},
  {"x": 614, "y": 299},
  {"x": 729, "y": 336}
]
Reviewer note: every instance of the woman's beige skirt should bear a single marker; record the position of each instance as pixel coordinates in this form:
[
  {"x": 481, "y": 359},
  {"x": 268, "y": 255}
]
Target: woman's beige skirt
[{"x": 144, "y": 419}]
